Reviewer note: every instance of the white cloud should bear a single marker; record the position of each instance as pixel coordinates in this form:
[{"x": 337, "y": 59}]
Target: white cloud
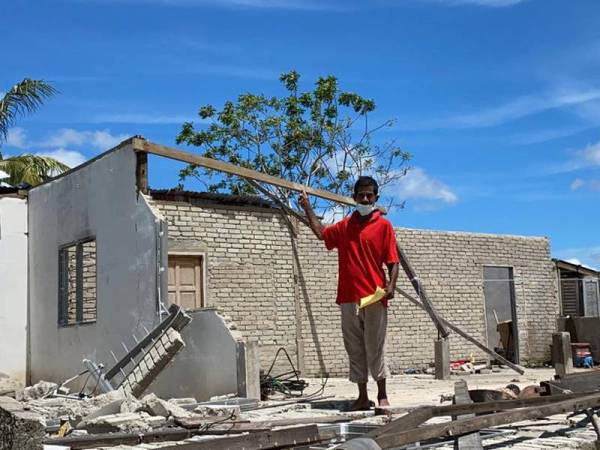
[
  {"x": 417, "y": 184},
  {"x": 513, "y": 110},
  {"x": 590, "y": 154},
  {"x": 592, "y": 185},
  {"x": 580, "y": 159},
  {"x": 69, "y": 157},
  {"x": 101, "y": 139},
  {"x": 585, "y": 256},
  {"x": 16, "y": 138},
  {"x": 577, "y": 183},
  {"x": 539, "y": 136}
]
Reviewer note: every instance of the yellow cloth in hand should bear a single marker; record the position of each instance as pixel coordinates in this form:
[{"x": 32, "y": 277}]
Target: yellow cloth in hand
[{"x": 370, "y": 299}]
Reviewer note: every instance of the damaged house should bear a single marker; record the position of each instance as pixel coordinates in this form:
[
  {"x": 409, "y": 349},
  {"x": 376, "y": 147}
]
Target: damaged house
[{"x": 107, "y": 257}]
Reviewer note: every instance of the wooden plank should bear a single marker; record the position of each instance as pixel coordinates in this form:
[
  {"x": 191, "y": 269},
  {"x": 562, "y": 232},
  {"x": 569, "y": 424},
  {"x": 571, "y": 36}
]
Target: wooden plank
[
  {"x": 112, "y": 439},
  {"x": 470, "y": 441},
  {"x": 409, "y": 421},
  {"x": 464, "y": 426},
  {"x": 198, "y": 422},
  {"x": 463, "y": 334},
  {"x": 272, "y": 439},
  {"x": 221, "y": 166},
  {"x": 422, "y": 293},
  {"x": 486, "y": 407},
  {"x": 574, "y": 382}
]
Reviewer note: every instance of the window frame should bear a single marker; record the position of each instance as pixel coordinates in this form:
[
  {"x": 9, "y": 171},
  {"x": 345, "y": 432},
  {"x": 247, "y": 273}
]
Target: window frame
[{"x": 63, "y": 297}]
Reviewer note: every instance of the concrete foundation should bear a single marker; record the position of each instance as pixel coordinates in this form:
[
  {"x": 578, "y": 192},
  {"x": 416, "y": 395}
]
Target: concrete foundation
[
  {"x": 442, "y": 359},
  {"x": 562, "y": 356}
]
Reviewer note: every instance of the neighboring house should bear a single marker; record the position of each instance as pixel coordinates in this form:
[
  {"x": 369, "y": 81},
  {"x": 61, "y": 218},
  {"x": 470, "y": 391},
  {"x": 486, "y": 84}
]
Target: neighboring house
[
  {"x": 98, "y": 281},
  {"x": 579, "y": 304},
  {"x": 107, "y": 256},
  {"x": 579, "y": 294},
  {"x": 13, "y": 283}
]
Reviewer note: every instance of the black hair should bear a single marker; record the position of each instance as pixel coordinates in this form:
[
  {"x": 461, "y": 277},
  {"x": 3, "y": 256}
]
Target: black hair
[{"x": 366, "y": 181}]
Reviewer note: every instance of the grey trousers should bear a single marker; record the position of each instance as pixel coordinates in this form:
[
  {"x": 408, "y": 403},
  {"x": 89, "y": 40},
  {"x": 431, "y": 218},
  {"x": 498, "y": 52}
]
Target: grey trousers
[{"x": 364, "y": 332}]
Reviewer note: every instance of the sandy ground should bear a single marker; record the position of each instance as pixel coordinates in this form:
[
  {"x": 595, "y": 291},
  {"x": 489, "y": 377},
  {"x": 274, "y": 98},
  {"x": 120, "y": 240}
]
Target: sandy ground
[{"x": 417, "y": 390}]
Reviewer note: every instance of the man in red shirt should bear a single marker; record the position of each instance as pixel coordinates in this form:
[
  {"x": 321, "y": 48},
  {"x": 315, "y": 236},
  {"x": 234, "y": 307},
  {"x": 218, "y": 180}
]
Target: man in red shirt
[{"x": 366, "y": 242}]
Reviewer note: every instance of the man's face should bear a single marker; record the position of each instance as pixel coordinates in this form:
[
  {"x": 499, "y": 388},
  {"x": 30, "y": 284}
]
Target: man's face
[{"x": 365, "y": 195}]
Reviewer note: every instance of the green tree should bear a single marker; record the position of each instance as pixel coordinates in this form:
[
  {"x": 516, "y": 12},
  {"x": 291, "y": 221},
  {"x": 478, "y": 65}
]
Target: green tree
[
  {"x": 23, "y": 98},
  {"x": 320, "y": 138}
]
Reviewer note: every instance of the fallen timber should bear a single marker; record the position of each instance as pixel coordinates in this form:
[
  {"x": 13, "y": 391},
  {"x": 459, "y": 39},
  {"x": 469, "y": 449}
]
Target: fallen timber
[
  {"x": 188, "y": 429},
  {"x": 406, "y": 430}
]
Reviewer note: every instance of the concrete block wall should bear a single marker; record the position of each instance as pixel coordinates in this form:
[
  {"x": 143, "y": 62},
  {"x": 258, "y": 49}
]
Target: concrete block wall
[
  {"x": 450, "y": 266},
  {"x": 250, "y": 261},
  {"x": 249, "y": 268}
]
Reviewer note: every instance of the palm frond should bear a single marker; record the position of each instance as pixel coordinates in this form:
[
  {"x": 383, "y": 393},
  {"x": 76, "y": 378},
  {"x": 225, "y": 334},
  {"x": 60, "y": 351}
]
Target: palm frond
[
  {"x": 23, "y": 98},
  {"x": 30, "y": 169}
]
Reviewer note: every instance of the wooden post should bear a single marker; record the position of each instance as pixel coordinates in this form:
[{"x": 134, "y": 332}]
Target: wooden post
[
  {"x": 141, "y": 172},
  {"x": 562, "y": 356},
  {"x": 468, "y": 441},
  {"x": 442, "y": 358}
]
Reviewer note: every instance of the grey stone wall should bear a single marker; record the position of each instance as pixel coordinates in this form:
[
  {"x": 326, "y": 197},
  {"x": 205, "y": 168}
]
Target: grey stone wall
[{"x": 252, "y": 262}]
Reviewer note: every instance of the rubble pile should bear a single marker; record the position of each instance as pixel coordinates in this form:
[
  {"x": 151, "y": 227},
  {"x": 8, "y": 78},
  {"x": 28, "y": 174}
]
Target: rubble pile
[{"x": 509, "y": 416}]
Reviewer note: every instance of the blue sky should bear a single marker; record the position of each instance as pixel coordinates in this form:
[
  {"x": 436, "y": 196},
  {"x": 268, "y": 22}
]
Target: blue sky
[{"x": 498, "y": 100}]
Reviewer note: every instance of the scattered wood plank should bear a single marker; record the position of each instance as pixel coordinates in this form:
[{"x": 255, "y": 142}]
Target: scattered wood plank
[
  {"x": 419, "y": 416},
  {"x": 574, "y": 382},
  {"x": 199, "y": 422},
  {"x": 285, "y": 437},
  {"x": 464, "y": 426}
]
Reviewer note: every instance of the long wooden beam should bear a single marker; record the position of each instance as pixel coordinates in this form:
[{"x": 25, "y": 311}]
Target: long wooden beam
[
  {"x": 464, "y": 426},
  {"x": 142, "y": 145}
]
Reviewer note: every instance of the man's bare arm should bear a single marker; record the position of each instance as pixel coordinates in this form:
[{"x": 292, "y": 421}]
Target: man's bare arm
[
  {"x": 315, "y": 224},
  {"x": 390, "y": 289}
]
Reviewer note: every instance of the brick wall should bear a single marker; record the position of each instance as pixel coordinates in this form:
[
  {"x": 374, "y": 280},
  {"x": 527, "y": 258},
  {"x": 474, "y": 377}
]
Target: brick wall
[{"x": 251, "y": 263}]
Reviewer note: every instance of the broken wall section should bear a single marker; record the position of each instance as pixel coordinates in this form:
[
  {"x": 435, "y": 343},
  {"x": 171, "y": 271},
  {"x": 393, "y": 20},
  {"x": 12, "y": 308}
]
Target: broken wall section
[{"x": 98, "y": 202}]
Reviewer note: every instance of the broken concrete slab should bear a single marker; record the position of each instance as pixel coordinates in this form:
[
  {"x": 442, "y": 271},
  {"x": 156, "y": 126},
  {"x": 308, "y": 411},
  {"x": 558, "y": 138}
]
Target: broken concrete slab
[
  {"x": 183, "y": 401},
  {"x": 158, "y": 407},
  {"x": 130, "y": 422},
  {"x": 37, "y": 391},
  {"x": 218, "y": 410},
  {"x": 20, "y": 429}
]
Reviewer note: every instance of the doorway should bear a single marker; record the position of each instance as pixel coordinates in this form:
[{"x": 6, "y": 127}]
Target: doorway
[
  {"x": 186, "y": 281},
  {"x": 500, "y": 311}
]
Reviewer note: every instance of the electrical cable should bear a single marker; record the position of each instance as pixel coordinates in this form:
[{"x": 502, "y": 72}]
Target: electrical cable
[{"x": 287, "y": 383}]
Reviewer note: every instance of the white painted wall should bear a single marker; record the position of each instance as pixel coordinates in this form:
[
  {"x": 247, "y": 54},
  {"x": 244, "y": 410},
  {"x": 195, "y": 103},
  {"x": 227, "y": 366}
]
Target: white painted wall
[{"x": 13, "y": 287}]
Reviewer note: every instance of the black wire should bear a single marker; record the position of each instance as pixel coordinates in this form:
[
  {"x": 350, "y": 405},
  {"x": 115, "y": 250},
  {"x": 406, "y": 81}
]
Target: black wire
[{"x": 288, "y": 383}]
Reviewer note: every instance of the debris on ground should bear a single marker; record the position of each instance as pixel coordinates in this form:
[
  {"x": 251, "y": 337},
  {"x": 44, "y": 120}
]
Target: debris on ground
[{"x": 509, "y": 415}]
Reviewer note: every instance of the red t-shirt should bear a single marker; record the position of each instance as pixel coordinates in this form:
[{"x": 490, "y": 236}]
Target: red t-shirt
[{"x": 364, "y": 246}]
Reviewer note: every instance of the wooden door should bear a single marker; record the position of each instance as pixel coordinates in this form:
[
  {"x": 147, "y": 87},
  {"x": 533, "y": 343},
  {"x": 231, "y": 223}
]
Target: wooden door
[{"x": 186, "y": 284}]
